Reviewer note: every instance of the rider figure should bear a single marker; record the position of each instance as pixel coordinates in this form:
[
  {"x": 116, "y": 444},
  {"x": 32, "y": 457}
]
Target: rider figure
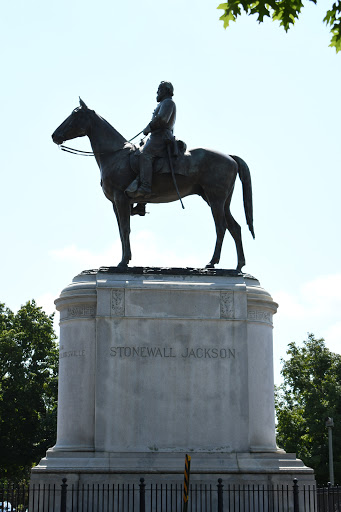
[{"x": 161, "y": 132}]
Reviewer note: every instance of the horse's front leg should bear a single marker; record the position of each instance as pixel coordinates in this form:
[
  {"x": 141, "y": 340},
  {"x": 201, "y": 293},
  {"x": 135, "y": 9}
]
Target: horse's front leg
[{"x": 121, "y": 206}]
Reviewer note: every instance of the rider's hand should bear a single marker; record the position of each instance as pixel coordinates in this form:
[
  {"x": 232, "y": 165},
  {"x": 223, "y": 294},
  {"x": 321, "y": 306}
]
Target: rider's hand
[{"x": 146, "y": 130}]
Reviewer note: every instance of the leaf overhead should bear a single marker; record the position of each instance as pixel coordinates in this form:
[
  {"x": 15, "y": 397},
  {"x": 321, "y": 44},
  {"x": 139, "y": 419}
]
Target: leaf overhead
[
  {"x": 333, "y": 19},
  {"x": 227, "y": 18},
  {"x": 286, "y": 12}
]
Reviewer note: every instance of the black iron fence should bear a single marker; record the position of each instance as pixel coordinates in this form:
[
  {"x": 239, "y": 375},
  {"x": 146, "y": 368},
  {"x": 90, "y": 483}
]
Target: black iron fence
[
  {"x": 147, "y": 497},
  {"x": 329, "y": 499}
]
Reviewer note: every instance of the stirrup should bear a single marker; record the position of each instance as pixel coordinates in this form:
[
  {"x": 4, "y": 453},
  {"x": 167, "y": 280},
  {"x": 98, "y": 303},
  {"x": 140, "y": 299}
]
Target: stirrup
[{"x": 139, "y": 209}]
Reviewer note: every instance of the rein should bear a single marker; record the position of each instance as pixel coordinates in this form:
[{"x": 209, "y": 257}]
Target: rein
[{"x": 80, "y": 152}]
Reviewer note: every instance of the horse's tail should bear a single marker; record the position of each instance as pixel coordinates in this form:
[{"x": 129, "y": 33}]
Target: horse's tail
[{"x": 245, "y": 178}]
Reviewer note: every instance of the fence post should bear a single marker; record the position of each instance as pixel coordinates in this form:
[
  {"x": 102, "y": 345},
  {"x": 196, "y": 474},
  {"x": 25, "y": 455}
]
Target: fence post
[
  {"x": 142, "y": 495},
  {"x": 296, "y": 501},
  {"x": 330, "y": 497},
  {"x": 220, "y": 495},
  {"x": 63, "y": 495}
]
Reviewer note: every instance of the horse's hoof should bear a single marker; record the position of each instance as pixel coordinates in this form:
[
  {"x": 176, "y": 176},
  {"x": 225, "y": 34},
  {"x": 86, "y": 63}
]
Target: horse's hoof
[
  {"x": 210, "y": 265},
  {"x": 122, "y": 264}
]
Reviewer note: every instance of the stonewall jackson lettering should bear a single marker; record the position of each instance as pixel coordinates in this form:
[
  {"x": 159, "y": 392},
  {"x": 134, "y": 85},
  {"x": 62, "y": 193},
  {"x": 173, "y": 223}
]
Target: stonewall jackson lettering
[{"x": 197, "y": 353}]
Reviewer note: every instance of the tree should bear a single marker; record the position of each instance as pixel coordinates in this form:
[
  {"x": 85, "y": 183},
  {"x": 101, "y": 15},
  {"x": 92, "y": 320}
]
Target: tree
[
  {"x": 28, "y": 388},
  {"x": 311, "y": 392},
  {"x": 284, "y": 11}
]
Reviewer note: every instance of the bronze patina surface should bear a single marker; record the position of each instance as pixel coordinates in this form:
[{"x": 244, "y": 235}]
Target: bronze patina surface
[{"x": 211, "y": 175}]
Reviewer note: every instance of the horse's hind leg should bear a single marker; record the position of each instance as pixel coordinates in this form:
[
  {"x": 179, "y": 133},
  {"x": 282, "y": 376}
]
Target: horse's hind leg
[
  {"x": 235, "y": 230},
  {"x": 217, "y": 208}
]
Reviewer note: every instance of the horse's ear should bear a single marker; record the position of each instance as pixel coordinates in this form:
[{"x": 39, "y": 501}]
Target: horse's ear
[{"x": 82, "y": 104}]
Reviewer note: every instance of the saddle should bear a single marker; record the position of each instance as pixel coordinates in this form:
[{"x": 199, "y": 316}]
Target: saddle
[{"x": 180, "y": 161}]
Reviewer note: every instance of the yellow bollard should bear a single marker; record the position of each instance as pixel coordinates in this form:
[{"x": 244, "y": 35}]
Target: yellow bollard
[{"x": 186, "y": 481}]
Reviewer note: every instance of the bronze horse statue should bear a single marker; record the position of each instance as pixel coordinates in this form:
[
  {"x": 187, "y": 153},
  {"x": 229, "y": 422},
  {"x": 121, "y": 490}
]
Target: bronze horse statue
[{"x": 211, "y": 175}]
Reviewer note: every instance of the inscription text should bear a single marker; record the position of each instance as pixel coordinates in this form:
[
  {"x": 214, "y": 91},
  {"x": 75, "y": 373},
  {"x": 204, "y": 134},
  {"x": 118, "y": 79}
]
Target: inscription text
[{"x": 186, "y": 352}]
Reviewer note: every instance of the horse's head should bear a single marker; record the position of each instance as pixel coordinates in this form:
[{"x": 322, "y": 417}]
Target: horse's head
[{"x": 76, "y": 125}]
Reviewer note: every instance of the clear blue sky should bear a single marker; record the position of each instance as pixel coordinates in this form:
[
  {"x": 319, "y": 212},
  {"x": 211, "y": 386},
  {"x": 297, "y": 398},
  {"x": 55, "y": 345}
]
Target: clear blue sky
[{"x": 251, "y": 90}]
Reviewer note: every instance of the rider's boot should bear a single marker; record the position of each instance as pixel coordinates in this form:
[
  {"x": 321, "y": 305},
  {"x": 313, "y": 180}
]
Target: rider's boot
[{"x": 146, "y": 172}]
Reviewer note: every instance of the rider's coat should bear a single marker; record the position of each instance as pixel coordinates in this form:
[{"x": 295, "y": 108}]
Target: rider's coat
[{"x": 161, "y": 127}]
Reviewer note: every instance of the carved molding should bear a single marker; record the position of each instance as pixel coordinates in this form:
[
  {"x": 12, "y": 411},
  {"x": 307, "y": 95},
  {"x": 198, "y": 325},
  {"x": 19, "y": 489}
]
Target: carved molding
[
  {"x": 226, "y": 305},
  {"x": 117, "y": 302}
]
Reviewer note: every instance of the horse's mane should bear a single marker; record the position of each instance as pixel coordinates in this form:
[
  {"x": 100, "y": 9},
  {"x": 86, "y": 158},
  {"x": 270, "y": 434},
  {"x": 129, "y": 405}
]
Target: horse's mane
[{"x": 111, "y": 128}]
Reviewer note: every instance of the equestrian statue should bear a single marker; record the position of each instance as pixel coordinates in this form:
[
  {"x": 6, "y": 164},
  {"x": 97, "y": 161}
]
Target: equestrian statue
[{"x": 160, "y": 171}]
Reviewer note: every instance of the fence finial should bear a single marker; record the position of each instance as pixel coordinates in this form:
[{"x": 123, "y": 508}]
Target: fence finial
[
  {"x": 63, "y": 495},
  {"x": 296, "y": 500},
  {"x": 142, "y": 495}
]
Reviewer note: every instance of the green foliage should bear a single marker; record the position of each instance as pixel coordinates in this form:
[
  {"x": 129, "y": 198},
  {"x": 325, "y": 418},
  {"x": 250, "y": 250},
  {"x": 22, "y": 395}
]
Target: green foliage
[
  {"x": 28, "y": 388},
  {"x": 284, "y": 11},
  {"x": 311, "y": 391},
  {"x": 333, "y": 19}
]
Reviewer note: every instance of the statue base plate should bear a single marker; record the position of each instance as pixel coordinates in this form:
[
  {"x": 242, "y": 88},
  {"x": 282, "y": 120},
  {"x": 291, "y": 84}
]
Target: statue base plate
[{"x": 277, "y": 468}]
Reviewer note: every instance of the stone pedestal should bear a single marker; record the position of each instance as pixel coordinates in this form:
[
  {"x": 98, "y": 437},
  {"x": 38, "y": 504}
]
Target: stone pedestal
[{"x": 158, "y": 363}]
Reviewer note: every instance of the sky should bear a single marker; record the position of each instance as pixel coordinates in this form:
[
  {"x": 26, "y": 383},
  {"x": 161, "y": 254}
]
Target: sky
[{"x": 252, "y": 90}]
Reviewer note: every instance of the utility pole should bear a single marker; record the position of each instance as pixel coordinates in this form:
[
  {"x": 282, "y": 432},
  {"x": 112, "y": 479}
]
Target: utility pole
[{"x": 330, "y": 425}]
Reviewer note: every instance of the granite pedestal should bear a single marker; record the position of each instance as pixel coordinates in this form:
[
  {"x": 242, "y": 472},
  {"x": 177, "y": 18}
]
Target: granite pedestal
[{"x": 158, "y": 363}]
